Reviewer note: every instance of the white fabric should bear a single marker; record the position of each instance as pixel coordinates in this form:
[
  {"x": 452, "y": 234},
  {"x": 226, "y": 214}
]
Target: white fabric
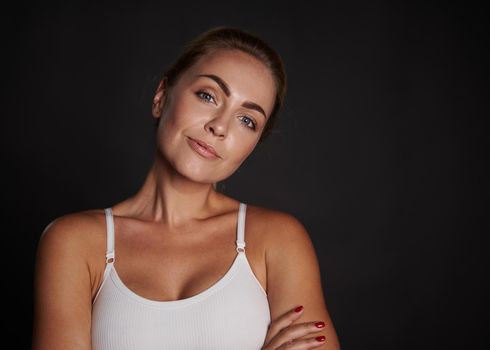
[{"x": 232, "y": 314}]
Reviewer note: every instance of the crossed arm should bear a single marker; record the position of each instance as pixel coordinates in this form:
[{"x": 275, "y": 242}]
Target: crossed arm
[{"x": 293, "y": 277}]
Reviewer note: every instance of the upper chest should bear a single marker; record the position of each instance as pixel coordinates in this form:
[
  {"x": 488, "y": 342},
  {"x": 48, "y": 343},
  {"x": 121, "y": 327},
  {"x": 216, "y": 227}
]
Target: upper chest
[{"x": 167, "y": 266}]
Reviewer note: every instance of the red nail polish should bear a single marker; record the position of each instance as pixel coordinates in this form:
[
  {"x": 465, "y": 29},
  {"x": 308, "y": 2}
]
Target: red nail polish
[
  {"x": 320, "y": 324},
  {"x": 320, "y": 338},
  {"x": 298, "y": 309}
]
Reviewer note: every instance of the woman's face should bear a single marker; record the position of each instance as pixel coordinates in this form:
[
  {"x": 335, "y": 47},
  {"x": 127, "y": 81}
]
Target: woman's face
[{"x": 222, "y": 101}]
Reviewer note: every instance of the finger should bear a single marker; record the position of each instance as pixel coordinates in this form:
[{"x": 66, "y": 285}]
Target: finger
[
  {"x": 303, "y": 344},
  {"x": 294, "y": 332},
  {"x": 282, "y": 322}
]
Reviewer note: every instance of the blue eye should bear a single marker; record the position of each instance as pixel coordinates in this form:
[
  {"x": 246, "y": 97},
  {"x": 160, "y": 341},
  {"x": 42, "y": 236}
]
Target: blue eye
[
  {"x": 205, "y": 96},
  {"x": 249, "y": 122}
]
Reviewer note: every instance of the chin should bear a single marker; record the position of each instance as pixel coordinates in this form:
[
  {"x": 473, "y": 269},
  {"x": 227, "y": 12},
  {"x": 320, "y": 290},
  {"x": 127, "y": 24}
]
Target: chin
[
  {"x": 200, "y": 174},
  {"x": 196, "y": 173}
]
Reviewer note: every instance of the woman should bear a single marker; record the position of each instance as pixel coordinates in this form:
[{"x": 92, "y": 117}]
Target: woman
[{"x": 180, "y": 265}]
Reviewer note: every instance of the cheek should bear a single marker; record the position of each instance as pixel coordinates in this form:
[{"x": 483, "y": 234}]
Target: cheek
[
  {"x": 177, "y": 115},
  {"x": 176, "y": 118}
]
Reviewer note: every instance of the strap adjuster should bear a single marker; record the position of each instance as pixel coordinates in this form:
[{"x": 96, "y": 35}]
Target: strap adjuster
[
  {"x": 240, "y": 247},
  {"x": 109, "y": 257}
]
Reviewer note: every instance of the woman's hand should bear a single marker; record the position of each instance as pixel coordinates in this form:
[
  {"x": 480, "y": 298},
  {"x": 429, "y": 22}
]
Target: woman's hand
[{"x": 282, "y": 335}]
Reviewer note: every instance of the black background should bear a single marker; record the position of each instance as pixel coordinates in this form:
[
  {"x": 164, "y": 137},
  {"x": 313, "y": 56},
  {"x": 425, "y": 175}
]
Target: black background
[{"x": 379, "y": 150}]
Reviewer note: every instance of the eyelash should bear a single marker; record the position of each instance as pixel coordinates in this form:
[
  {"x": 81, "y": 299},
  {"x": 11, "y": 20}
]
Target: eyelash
[
  {"x": 201, "y": 93},
  {"x": 252, "y": 122},
  {"x": 203, "y": 96}
]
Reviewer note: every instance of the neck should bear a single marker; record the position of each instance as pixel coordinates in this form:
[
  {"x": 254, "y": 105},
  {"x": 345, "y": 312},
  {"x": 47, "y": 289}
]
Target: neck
[{"x": 168, "y": 197}]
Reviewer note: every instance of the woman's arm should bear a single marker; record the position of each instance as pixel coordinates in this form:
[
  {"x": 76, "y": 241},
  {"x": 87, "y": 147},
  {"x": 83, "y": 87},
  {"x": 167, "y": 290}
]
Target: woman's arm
[
  {"x": 62, "y": 292},
  {"x": 293, "y": 276}
]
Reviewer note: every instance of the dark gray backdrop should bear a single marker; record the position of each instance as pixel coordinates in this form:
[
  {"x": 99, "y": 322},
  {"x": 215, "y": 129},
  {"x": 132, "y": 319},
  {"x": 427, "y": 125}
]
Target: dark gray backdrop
[{"x": 379, "y": 150}]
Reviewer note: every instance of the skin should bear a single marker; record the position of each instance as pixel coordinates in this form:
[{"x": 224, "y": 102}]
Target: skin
[{"x": 177, "y": 227}]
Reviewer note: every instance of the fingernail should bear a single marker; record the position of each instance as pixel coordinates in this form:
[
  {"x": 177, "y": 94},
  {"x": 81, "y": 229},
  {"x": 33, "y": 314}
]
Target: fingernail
[
  {"x": 320, "y": 324},
  {"x": 320, "y": 338},
  {"x": 299, "y": 308}
]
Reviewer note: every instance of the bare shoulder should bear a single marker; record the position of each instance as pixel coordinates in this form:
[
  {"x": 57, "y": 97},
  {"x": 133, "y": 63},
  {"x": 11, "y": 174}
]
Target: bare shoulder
[
  {"x": 78, "y": 233},
  {"x": 281, "y": 236},
  {"x": 278, "y": 229},
  {"x": 64, "y": 280}
]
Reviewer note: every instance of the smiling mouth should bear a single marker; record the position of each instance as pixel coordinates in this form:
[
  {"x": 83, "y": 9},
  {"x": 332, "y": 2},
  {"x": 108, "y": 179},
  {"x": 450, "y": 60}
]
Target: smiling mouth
[{"x": 202, "y": 149}]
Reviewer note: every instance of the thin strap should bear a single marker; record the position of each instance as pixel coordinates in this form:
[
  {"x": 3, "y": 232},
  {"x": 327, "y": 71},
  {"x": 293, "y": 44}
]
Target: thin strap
[
  {"x": 240, "y": 242},
  {"x": 109, "y": 255}
]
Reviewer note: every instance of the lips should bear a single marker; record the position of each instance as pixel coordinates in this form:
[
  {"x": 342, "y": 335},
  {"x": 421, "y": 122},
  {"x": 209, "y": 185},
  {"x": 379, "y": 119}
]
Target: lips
[{"x": 202, "y": 148}]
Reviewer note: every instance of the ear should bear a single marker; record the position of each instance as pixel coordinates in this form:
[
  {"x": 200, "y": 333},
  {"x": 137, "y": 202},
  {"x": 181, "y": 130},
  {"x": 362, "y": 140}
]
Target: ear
[{"x": 159, "y": 98}]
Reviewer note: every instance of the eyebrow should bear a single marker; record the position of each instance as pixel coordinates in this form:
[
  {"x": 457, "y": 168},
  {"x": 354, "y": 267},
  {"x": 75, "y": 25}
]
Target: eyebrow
[{"x": 226, "y": 90}]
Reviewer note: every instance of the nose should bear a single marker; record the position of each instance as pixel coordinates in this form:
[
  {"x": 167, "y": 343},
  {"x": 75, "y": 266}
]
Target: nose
[{"x": 218, "y": 126}]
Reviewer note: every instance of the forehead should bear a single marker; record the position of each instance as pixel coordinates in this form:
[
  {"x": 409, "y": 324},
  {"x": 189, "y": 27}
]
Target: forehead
[{"x": 246, "y": 76}]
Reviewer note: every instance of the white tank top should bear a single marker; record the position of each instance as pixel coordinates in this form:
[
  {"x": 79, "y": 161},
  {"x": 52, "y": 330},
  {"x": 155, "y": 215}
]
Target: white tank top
[{"x": 231, "y": 314}]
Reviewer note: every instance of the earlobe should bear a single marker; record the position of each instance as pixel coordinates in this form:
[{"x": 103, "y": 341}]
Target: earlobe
[{"x": 159, "y": 99}]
